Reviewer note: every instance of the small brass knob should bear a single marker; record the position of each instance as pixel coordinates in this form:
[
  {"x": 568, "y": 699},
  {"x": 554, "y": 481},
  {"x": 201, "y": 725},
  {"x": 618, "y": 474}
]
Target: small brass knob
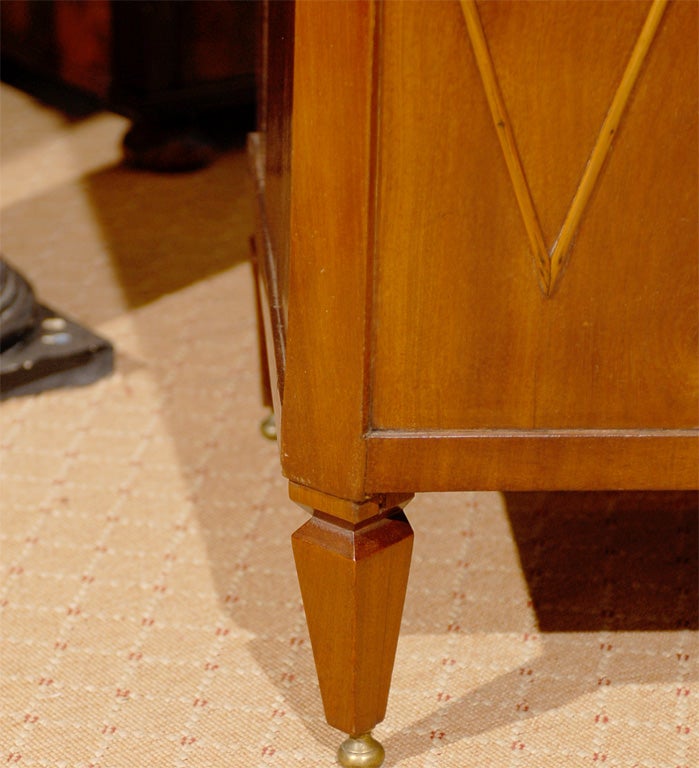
[
  {"x": 269, "y": 427},
  {"x": 361, "y": 752}
]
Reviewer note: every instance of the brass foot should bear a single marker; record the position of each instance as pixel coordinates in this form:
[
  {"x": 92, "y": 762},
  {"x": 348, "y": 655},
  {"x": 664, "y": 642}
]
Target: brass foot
[
  {"x": 269, "y": 427},
  {"x": 361, "y": 752}
]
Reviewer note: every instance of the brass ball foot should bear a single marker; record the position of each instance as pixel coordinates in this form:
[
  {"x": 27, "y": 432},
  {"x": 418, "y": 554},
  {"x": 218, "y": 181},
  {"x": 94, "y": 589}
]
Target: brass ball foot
[
  {"x": 269, "y": 427},
  {"x": 361, "y": 752}
]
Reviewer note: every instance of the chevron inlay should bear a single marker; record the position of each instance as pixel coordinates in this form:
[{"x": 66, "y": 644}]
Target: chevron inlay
[{"x": 550, "y": 261}]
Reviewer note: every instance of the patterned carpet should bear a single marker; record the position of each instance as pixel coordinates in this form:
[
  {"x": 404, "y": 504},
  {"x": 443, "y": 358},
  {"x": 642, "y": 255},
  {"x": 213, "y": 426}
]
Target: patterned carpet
[{"x": 150, "y": 610}]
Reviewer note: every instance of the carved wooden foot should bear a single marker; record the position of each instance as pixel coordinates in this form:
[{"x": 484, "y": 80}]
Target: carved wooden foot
[{"x": 353, "y": 569}]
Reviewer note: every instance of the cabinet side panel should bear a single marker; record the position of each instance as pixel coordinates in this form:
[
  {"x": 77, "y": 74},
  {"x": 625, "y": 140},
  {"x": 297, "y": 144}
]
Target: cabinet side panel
[
  {"x": 619, "y": 344},
  {"x": 467, "y": 335},
  {"x": 453, "y": 329}
]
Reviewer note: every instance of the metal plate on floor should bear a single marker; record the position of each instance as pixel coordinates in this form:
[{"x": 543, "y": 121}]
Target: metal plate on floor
[{"x": 57, "y": 352}]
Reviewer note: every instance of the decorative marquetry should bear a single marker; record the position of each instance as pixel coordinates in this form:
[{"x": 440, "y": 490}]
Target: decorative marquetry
[
  {"x": 550, "y": 261},
  {"x": 463, "y": 334}
]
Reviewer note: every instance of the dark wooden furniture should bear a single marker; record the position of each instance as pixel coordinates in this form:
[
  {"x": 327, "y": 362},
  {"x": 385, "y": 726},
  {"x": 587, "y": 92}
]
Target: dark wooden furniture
[
  {"x": 477, "y": 257},
  {"x": 142, "y": 56},
  {"x": 166, "y": 64}
]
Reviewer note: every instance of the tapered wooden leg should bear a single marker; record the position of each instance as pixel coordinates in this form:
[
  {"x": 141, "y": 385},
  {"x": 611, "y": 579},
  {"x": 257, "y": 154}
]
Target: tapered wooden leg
[{"x": 353, "y": 577}]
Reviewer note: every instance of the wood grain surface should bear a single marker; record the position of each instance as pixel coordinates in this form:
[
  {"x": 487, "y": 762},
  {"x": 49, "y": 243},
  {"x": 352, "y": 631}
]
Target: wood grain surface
[
  {"x": 325, "y": 400},
  {"x": 463, "y": 337},
  {"x": 354, "y": 637}
]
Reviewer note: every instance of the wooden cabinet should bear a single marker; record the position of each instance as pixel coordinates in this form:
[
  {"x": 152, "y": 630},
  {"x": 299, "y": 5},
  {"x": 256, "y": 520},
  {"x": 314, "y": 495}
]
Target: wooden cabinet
[{"x": 477, "y": 250}]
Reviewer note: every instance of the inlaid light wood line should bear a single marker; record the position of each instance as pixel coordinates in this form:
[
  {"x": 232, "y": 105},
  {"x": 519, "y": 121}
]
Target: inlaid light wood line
[
  {"x": 604, "y": 140},
  {"x": 507, "y": 140},
  {"x": 550, "y": 263},
  {"x": 488, "y": 434}
]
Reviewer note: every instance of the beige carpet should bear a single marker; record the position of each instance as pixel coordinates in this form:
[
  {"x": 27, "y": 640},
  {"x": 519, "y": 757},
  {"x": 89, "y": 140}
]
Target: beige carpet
[{"x": 150, "y": 611}]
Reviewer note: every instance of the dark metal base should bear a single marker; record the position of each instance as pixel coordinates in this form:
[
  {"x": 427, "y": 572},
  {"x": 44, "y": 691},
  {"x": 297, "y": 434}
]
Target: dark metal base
[{"x": 42, "y": 349}]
